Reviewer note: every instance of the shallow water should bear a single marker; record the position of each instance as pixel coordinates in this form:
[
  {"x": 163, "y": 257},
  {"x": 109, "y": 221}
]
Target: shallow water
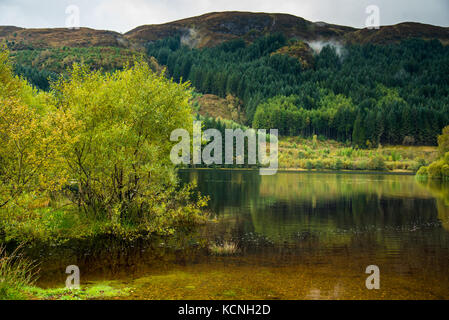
[{"x": 297, "y": 236}]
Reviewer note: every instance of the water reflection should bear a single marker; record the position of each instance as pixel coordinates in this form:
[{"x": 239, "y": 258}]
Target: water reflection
[
  {"x": 284, "y": 206},
  {"x": 391, "y": 219},
  {"x": 300, "y": 236}
]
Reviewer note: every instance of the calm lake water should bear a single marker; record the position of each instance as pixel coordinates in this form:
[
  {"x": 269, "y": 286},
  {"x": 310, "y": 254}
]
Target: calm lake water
[{"x": 296, "y": 236}]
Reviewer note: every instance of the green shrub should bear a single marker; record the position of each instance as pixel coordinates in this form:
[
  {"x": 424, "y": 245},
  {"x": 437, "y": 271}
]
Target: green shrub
[
  {"x": 301, "y": 154},
  {"x": 338, "y": 164},
  {"x": 423, "y": 171},
  {"x": 309, "y": 165},
  {"x": 361, "y": 165},
  {"x": 445, "y": 171},
  {"x": 377, "y": 163},
  {"x": 435, "y": 169},
  {"x": 443, "y": 141},
  {"x": 395, "y": 156},
  {"x": 399, "y": 165},
  {"x": 348, "y": 165},
  {"x": 346, "y": 152},
  {"x": 418, "y": 164},
  {"x": 328, "y": 164},
  {"x": 319, "y": 164},
  {"x": 315, "y": 142}
]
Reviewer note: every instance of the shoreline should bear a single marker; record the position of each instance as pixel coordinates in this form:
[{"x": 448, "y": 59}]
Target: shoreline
[{"x": 300, "y": 170}]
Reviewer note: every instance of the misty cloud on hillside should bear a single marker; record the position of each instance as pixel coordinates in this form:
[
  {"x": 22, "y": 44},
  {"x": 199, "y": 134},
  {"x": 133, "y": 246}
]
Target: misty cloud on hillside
[{"x": 317, "y": 46}]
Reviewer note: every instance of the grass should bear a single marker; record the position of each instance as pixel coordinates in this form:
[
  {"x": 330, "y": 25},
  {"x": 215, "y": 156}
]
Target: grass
[
  {"x": 319, "y": 154},
  {"x": 16, "y": 273},
  {"x": 51, "y": 224},
  {"x": 103, "y": 290},
  {"x": 225, "y": 249}
]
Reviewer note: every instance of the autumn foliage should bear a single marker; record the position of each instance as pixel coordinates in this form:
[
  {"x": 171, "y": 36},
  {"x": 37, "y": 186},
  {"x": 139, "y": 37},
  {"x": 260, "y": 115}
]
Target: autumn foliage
[{"x": 98, "y": 141}]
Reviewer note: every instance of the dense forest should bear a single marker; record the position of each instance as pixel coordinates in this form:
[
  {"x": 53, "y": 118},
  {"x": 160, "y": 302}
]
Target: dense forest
[
  {"x": 367, "y": 94},
  {"x": 40, "y": 65},
  {"x": 39, "y": 78}
]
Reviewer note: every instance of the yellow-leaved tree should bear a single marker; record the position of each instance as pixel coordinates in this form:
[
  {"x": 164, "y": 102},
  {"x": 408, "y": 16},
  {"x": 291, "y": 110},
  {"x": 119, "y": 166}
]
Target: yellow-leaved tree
[
  {"x": 120, "y": 163},
  {"x": 33, "y": 138}
]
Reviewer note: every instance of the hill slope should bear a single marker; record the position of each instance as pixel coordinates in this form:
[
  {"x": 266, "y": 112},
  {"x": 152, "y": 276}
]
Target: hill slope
[
  {"x": 388, "y": 34},
  {"x": 281, "y": 71},
  {"x": 213, "y": 28},
  {"x": 19, "y": 38}
]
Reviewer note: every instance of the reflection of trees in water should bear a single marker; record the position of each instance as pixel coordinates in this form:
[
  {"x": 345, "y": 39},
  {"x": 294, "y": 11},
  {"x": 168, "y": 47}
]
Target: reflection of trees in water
[
  {"x": 361, "y": 213},
  {"x": 294, "y": 186},
  {"x": 363, "y": 217},
  {"x": 440, "y": 190},
  {"x": 109, "y": 257},
  {"x": 232, "y": 193},
  {"x": 387, "y": 211},
  {"x": 227, "y": 188}
]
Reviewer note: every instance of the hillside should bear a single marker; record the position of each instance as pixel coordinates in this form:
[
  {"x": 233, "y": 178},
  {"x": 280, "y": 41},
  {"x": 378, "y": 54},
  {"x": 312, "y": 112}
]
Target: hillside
[
  {"x": 298, "y": 50},
  {"x": 389, "y": 34},
  {"x": 357, "y": 86},
  {"x": 19, "y": 38},
  {"x": 210, "y": 105},
  {"x": 213, "y": 28}
]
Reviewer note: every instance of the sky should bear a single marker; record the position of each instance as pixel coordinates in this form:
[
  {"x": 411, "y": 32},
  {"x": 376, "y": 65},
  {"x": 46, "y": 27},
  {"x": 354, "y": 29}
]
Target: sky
[{"x": 122, "y": 16}]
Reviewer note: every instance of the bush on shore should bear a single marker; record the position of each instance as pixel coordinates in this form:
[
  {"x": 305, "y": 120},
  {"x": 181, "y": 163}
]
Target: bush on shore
[
  {"x": 97, "y": 147},
  {"x": 438, "y": 169}
]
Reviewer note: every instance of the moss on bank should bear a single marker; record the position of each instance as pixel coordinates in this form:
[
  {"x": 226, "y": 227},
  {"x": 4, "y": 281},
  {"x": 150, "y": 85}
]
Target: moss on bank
[
  {"x": 105, "y": 290},
  {"x": 18, "y": 275},
  {"x": 102, "y": 290}
]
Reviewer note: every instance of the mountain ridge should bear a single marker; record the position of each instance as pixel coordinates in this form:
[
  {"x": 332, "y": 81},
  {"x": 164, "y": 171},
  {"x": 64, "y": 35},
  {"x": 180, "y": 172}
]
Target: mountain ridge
[{"x": 214, "y": 28}]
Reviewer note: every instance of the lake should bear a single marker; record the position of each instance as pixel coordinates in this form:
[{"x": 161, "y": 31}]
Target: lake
[{"x": 294, "y": 235}]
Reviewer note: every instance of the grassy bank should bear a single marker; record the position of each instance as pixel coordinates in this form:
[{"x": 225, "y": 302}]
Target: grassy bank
[
  {"x": 319, "y": 154},
  {"x": 18, "y": 275}
]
